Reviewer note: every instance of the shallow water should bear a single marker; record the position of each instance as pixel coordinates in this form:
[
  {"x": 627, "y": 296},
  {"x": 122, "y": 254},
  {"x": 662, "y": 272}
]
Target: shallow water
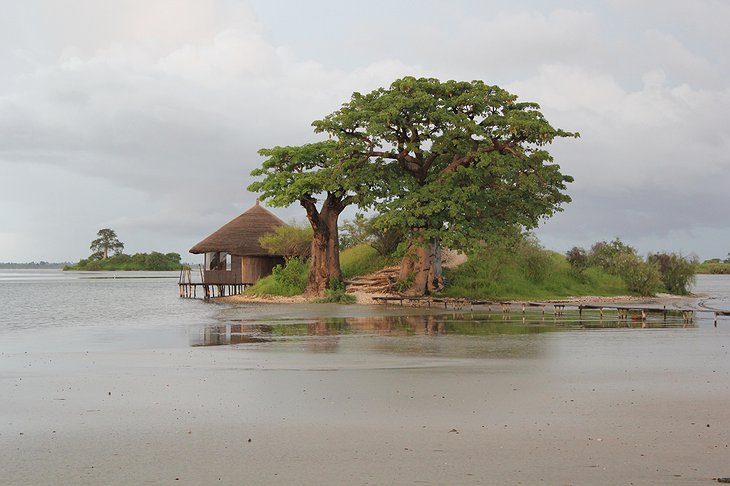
[{"x": 86, "y": 311}]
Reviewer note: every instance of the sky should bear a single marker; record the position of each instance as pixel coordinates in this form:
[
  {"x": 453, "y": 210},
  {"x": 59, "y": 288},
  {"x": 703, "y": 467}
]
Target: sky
[{"x": 145, "y": 116}]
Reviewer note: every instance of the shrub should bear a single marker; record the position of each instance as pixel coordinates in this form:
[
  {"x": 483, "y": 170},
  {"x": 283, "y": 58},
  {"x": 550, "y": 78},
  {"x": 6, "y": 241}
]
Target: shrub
[
  {"x": 606, "y": 255},
  {"x": 535, "y": 260},
  {"x": 640, "y": 277},
  {"x": 578, "y": 258},
  {"x": 290, "y": 279},
  {"x": 677, "y": 272},
  {"x": 336, "y": 294},
  {"x": 289, "y": 241}
]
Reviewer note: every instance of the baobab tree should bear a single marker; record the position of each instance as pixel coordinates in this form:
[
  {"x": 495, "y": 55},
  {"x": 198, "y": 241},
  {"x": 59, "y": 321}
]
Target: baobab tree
[
  {"x": 324, "y": 178},
  {"x": 463, "y": 158}
]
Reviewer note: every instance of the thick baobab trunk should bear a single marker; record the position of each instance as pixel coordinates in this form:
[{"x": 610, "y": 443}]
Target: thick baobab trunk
[
  {"x": 423, "y": 262},
  {"x": 324, "y": 263},
  {"x": 318, "y": 274}
]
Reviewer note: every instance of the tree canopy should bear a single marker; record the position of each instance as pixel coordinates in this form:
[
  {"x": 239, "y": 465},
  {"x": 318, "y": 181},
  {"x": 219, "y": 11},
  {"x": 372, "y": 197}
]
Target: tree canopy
[
  {"x": 324, "y": 178},
  {"x": 459, "y": 159},
  {"x": 106, "y": 242}
]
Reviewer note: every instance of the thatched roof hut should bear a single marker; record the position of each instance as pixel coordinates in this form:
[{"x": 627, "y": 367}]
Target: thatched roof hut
[
  {"x": 241, "y": 235},
  {"x": 233, "y": 254}
]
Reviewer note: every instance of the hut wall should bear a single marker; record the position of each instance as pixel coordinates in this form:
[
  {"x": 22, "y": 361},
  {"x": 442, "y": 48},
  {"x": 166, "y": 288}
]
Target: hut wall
[
  {"x": 226, "y": 277},
  {"x": 255, "y": 267}
]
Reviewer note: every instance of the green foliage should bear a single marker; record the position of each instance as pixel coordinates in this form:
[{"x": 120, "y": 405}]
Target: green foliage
[
  {"x": 714, "y": 267},
  {"x": 288, "y": 241},
  {"x": 287, "y": 280},
  {"x": 294, "y": 174},
  {"x": 107, "y": 242},
  {"x": 578, "y": 259},
  {"x": 368, "y": 230},
  {"x": 606, "y": 255},
  {"x": 677, "y": 272},
  {"x": 618, "y": 258},
  {"x": 640, "y": 277},
  {"x": 361, "y": 260},
  {"x": 536, "y": 261},
  {"x": 154, "y": 261},
  {"x": 355, "y": 231},
  {"x": 335, "y": 294},
  {"x": 458, "y": 159},
  {"x": 499, "y": 270}
]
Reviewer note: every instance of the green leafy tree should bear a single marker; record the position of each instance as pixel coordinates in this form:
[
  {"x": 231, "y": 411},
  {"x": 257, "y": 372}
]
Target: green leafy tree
[
  {"x": 464, "y": 159},
  {"x": 289, "y": 241},
  {"x": 324, "y": 178},
  {"x": 578, "y": 259},
  {"x": 106, "y": 242}
]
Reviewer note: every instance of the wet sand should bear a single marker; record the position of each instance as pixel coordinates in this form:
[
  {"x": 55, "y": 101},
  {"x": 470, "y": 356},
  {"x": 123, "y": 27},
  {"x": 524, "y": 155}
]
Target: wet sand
[{"x": 615, "y": 406}]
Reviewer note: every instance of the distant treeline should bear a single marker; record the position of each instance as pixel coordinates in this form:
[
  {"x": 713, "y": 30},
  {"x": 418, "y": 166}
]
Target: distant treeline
[
  {"x": 154, "y": 261},
  {"x": 32, "y": 265},
  {"x": 715, "y": 266}
]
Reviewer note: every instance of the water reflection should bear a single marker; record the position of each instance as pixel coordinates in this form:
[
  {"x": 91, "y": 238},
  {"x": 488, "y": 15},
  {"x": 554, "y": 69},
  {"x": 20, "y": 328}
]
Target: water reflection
[{"x": 462, "y": 334}]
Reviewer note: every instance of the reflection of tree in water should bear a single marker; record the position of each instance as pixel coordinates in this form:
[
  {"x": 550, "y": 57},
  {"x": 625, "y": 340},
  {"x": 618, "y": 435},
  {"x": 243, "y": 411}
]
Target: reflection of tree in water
[{"x": 446, "y": 335}]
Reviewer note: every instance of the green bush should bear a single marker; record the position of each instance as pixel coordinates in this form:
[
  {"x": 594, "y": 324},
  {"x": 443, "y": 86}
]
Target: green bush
[
  {"x": 287, "y": 280},
  {"x": 335, "y": 294},
  {"x": 677, "y": 272},
  {"x": 640, "y": 277},
  {"x": 498, "y": 270},
  {"x": 578, "y": 258},
  {"x": 618, "y": 258},
  {"x": 535, "y": 260}
]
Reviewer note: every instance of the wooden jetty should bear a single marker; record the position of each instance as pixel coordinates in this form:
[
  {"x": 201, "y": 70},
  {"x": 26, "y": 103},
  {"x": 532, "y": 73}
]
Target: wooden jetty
[
  {"x": 622, "y": 311},
  {"x": 189, "y": 288}
]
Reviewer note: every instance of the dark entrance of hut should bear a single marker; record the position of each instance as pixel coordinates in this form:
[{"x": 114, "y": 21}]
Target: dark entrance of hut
[{"x": 233, "y": 257}]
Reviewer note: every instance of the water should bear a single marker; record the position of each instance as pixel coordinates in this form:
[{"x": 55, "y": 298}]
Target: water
[
  {"x": 72, "y": 311},
  {"x": 118, "y": 380}
]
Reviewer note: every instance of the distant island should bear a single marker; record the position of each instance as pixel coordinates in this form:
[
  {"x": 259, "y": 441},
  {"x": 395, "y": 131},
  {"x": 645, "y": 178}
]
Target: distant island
[
  {"x": 154, "y": 261},
  {"x": 107, "y": 243},
  {"x": 33, "y": 265}
]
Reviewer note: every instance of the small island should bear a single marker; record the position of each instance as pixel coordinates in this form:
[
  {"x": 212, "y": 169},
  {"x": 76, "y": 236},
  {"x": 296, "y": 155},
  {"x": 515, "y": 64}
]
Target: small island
[{"x": 107, "y": 242}]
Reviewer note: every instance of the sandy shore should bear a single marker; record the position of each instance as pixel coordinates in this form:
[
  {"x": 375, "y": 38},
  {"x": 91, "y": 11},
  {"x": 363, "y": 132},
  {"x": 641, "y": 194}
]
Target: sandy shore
[
  {"x": 363, "y": 298},
  {"x": 593, "y": 407}
]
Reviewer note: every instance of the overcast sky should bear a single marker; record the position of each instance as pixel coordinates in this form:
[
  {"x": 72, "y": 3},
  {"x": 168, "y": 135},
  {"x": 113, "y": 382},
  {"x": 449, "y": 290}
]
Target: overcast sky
[{"x": 145, "y": 116}]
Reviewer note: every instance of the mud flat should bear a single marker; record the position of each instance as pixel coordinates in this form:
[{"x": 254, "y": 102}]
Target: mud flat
[{"x": 372, "y": 404}]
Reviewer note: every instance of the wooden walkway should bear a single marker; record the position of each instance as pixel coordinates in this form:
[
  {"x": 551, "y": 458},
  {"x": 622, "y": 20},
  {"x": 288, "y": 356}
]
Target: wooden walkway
[{"x": 623, "y": 311}]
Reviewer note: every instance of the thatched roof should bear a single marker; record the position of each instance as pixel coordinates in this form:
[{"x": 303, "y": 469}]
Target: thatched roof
[{"x": 241, "y": 235}]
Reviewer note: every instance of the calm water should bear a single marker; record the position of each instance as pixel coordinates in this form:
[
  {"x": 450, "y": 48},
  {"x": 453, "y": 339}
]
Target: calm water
[{"x": 56, "y": 311}]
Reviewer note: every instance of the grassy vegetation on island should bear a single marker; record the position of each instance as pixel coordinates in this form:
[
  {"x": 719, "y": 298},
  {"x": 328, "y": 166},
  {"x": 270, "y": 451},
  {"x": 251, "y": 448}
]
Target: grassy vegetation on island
[
  {"x": 517, "y": 269},
  {"x": 291, "y": 279},
  {"x": 527, "y": 272},
  {"x": 154, "y": 261}
]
